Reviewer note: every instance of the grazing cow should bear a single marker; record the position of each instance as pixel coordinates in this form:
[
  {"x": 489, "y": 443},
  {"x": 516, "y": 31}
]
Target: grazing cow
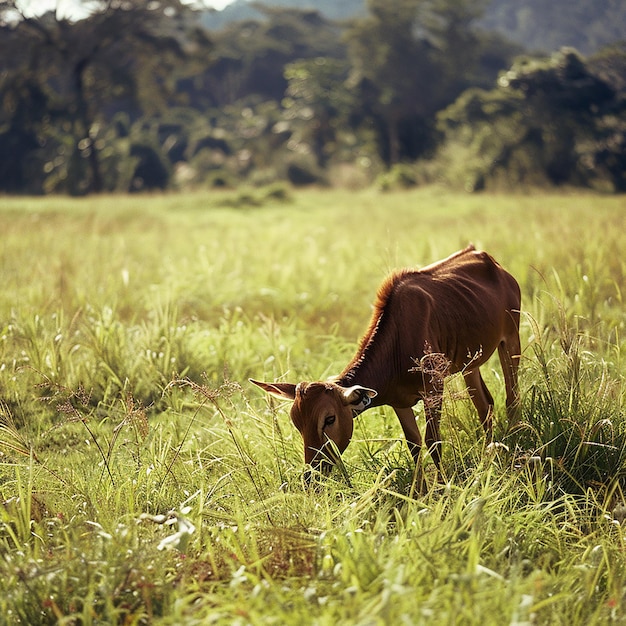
[{"x": 427, "y": 324}]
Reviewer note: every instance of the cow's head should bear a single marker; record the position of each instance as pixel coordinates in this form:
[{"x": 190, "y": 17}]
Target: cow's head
[{"x": 323, "y": 412}]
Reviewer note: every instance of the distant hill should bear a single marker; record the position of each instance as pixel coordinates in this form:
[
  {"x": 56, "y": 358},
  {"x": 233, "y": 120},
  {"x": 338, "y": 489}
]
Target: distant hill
[
  {"x": 244, "y": 10},
  {"x": 538, "y": 25},
  {"x": 541, "y": 26}
]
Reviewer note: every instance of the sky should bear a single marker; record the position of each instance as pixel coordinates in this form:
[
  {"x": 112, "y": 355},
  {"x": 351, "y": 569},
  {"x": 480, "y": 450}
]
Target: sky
[{"x": 69, "y": 7}]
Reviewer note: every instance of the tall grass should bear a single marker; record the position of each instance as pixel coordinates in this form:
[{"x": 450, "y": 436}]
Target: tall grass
[
  {"x": 142, "y": 481},
  {"x": 573, "y": 423}
]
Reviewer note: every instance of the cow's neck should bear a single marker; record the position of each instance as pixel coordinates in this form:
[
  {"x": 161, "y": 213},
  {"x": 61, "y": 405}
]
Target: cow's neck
[{"x": 374, "y": 366}]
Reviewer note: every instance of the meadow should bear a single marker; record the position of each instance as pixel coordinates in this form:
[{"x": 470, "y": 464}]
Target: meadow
[{"x": 143, "y": 480}]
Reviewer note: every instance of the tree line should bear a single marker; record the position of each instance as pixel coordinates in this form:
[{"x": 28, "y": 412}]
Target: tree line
[{"x": 140, "y": 95}]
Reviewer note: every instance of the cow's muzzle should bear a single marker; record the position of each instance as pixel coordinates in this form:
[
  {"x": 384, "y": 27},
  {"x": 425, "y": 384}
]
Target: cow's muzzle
[{"x": 323, "y": 461}]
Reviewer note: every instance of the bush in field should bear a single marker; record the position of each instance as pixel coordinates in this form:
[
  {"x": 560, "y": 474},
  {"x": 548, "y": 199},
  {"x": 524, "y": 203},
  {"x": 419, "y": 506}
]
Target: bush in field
[
  {"x": 396, "y": 178},
  {"x": 573, "y": 430}
]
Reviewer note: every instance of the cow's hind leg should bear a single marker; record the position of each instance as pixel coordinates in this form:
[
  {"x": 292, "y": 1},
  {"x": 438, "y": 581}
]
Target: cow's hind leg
[
  {"x": 432, "y": 409},
  {"x": 509, "y": 352},
  {"x": 482, "y": 399}
]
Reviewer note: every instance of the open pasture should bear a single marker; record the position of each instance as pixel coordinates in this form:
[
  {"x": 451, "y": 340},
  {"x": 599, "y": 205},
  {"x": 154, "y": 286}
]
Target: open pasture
[{"x": 143, "y": 480}]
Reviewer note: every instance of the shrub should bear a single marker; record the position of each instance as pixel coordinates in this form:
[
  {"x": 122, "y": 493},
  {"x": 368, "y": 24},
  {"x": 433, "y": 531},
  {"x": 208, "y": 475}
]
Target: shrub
[
  {"x": 400, "y": 176},
  {"x": 572, "y": 425}
]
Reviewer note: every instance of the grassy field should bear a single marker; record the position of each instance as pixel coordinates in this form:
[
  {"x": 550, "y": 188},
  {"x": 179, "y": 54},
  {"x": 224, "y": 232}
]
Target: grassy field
[{"x": 144, "y": 481}]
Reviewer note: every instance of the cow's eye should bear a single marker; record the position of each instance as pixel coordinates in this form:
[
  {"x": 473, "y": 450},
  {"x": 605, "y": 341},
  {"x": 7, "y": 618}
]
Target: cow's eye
[{"x": 329, "y": 421}]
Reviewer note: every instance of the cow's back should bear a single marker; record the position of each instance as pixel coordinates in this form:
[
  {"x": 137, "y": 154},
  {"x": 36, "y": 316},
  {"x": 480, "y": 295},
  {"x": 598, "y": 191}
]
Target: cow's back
[
  {"x": 461, "y": 306},
  {"x": 468, "y": 275}
]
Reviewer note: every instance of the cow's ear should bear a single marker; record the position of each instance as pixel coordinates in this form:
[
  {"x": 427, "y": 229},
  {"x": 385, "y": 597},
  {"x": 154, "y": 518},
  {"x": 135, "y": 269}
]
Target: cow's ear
[
  {"x": 282, "y": 390},
  {"x": 358, "y": 395}
]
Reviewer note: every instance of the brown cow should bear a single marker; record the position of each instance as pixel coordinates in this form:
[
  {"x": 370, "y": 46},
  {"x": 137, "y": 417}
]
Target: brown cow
[{"x": 457, "y": 312}]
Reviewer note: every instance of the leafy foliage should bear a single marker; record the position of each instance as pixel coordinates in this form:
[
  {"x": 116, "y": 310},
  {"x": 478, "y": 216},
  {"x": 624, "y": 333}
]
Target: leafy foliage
[
  {"x": 434, "y": 44},
  {"x": 139, "y": 95},
  {"x": 250, "y": 56},
  {"x": 548, "y": 122},
  {"x": 119, "y": 57}
]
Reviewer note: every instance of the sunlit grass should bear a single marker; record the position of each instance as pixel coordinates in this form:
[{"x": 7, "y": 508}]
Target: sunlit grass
[{"x": 128, "y": 327}]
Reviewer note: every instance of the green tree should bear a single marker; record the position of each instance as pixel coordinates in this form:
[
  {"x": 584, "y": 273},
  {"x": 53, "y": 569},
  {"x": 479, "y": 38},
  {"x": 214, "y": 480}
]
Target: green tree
[
  {"x": 410, "y": 58},
  {"x": 549, "y": 121},
  {"x": 125, "y": 54},
  {"x": 24, "y": 107},
  {"x": 317, "y": 95},
  {"x": 250, "y": 56}
]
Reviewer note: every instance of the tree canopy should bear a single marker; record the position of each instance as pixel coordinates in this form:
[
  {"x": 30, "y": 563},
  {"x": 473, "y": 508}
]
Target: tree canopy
[
  {"x": 72, "y": 77},
  {"x": 548, "y": 121},
  {"x": 138, "y": 94}
]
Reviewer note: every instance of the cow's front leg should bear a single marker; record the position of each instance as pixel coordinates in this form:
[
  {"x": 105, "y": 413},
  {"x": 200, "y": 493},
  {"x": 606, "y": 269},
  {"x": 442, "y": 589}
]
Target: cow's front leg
[
  {"x": 411, "y": 432},
  {"x": 432, "y": 409},
  {"x": 414, "y": 441}
]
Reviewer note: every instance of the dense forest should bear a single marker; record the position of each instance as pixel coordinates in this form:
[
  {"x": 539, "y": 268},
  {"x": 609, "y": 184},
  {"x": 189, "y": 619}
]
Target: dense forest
[{"x": 152, "y": 94}]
